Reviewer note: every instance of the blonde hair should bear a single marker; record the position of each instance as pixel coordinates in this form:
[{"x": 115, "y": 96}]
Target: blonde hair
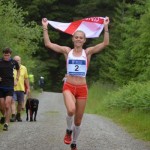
[{"x": 79, "y": 31}]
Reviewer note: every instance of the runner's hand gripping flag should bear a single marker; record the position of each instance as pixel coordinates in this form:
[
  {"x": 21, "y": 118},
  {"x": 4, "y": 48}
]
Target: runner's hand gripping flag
[{"x": 92, "y": 26}]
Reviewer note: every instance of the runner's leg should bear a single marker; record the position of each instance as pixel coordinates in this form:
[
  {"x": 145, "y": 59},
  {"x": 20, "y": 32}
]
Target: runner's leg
[
  {"x": 80, "y": 107},
  {"x": 69, "y": 101},
  {"x": 8, "y": 102}
]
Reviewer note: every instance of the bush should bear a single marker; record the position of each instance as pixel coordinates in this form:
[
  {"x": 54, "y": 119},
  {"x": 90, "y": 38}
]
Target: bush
[{"x": 132, "y": 96}]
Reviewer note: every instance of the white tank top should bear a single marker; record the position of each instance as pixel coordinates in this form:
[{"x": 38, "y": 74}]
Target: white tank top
[{"x": 77, "y": 66}]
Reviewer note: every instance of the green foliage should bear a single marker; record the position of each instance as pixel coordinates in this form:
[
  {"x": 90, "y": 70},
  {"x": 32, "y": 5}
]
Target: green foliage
[
  {"x": 22, "y": 38},
  {"x": 131, "y": 61},
  {"x": 126, "y": 59},
  {"x": 141, "y": 50},
  {"x": 97, "y": 93},
  {"x": 133, "y": 96},
  {"x": 136, "y": 122}
]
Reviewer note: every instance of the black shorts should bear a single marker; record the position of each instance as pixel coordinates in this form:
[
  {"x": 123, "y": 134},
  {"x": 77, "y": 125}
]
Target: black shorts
[{"x": 6, "y": 92}]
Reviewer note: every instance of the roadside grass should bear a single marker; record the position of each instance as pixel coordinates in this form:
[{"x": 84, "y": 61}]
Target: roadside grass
[
  {"x": 134, "y": 121},
  {"x": 35, "y": 93},
  {"x": 1, "y": 126}
]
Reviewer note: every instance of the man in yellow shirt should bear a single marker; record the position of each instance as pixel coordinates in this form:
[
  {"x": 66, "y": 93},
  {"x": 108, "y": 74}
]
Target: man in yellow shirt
[{"x": 19, "y": 91}]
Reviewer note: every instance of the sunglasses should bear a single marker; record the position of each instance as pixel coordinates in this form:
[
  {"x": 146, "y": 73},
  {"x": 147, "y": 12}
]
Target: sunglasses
[{"x": 6, "y": 55}]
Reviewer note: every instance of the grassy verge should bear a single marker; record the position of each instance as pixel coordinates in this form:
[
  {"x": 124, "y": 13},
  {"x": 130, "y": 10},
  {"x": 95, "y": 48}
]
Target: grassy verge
[{"x": 134, "y": 122}]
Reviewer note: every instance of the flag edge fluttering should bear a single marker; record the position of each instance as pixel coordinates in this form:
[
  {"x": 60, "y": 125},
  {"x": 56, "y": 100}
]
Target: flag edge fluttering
[{"x": 92, "y": 26}]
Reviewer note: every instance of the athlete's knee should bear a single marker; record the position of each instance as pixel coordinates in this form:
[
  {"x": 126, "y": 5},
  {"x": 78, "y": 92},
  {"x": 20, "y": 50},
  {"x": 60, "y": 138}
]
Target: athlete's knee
[
  {"x": 77, "y": 123},
  {"x": 78, "y": 120},
  {"x": 7, "y": 107},
  {"x": 71, "y": 111}
]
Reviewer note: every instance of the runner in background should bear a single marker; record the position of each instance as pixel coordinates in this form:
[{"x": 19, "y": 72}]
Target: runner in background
[
  {"x": 7, "y": 82},
  {"x": 41, "y": 83},
  {"x": 31, "y": 80}
]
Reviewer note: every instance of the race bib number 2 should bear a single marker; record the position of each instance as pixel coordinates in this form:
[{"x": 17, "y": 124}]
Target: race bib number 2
[{"x": 77, "y": 67}]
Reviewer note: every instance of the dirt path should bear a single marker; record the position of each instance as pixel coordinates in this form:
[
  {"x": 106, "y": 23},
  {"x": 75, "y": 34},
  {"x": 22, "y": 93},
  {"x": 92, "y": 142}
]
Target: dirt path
[{"x": 47, "y": 133}]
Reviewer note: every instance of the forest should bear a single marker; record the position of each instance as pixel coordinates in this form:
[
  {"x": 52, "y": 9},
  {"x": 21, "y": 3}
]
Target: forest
[
  {"x": 125, "y": 60},
  {"x": 118, "y": 77}
]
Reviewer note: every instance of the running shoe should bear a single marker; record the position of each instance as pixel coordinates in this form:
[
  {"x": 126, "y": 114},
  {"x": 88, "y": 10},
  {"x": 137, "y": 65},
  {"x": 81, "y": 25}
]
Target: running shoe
[
  {"x": 73, "y": 147},
  {"x": 13, "y": 118},
  {"x": 68, "y": 138},
  {"x": 2, "y": 121},
  {"x": 18, "y": 117},
  {"x": 5, "y": 128}
]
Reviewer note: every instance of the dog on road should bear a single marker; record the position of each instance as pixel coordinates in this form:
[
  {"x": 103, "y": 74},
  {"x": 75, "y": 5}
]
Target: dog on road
[{"x": 32, "y": 105}]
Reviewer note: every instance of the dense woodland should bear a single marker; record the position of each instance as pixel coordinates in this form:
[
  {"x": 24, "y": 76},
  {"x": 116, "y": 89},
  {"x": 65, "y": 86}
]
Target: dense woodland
[{"x": 126, "y": 59}]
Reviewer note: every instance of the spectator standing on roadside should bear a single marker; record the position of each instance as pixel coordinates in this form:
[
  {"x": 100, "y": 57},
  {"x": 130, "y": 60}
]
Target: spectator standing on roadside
[
  {"x": 31, "y": 80},
  {"x": 75, "y": 89},
  {"x": 7, "y": 82},
  {"x": 41, "y": 83},
  {"x": 19, "y": 91}
]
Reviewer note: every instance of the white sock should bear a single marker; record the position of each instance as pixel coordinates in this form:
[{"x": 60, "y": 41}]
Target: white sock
[
  {"x": 6, "y": 123},
  {"x": 76, "y": 132},
  {"x": 69, "y": 120}
]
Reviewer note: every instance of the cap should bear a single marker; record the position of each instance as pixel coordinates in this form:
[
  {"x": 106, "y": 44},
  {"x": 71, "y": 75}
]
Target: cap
[{"x": 7, "y": 50}]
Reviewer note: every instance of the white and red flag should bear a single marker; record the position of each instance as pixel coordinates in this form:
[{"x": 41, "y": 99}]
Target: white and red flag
[{"x": 92, "y": 27}]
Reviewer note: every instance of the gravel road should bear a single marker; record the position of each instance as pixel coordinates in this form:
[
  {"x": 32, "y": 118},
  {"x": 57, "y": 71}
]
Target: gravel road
[{"x": 98, "y": 133}]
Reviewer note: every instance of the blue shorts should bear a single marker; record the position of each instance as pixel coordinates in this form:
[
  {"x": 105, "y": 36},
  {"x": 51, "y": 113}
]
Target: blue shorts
[{"x": 18, "y": 96}]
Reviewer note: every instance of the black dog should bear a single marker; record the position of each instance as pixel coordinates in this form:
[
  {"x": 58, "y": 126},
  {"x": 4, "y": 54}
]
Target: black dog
[{"x": 32, "y": 105}]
